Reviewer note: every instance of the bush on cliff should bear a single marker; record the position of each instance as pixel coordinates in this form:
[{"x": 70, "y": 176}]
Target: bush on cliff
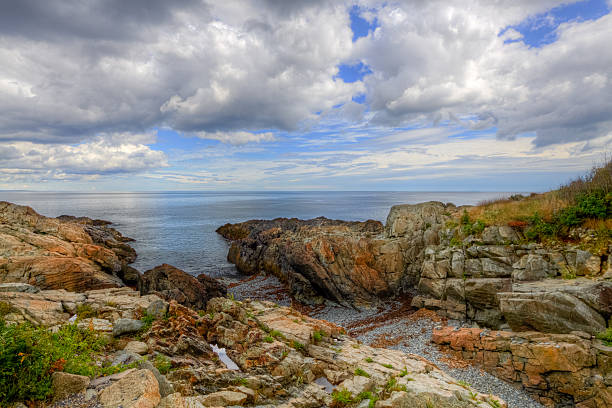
[
  {"x": 29, "y": 355},
  {"x": 585, "y": 201}
]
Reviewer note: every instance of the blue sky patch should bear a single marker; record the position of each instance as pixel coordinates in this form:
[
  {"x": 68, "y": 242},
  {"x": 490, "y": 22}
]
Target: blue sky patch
[
  {"x": 360, "y": 26},
  {"x": 353, "y": 73},
  {"x": 541, "y": 29}
]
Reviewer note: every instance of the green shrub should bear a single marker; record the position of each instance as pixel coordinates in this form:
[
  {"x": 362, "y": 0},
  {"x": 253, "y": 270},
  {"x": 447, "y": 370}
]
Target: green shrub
[
  {"x": 268, "y": 339},
  {"x": 5, "y": 309},
  {"x": 342, "y": 398},
  {"x": 85, "y": 311},
  {"x": 570, "y": 217},
  {"x": 595, "y": 204},
  {"x": 606, "y": 336},
  {"x": 369, "y": 359},
  {"x": 362, "y": 373},
  {"x": 148, "y": 320},
  {"x": 29, "y": 355},
  {"x": 317, "y": 336},
  {"x": 162, "y": 363},
  {"x": 539, "y": 229}
]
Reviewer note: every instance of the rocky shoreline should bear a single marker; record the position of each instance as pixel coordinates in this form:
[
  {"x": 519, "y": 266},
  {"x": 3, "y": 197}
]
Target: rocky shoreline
[
  {"x": 491, "y": 278},
  {"x": 325, "y": 274}
]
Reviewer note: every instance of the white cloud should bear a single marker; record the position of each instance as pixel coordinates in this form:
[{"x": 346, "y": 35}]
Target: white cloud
[
  {"x": 433, "y": 60},
  {"x": 226, "y": 67},
  {"x": 237, "y": 138},
  {"x": 115, "y": 154}
]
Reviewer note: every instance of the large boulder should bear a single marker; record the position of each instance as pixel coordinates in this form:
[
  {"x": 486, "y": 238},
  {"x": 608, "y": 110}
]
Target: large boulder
[
  {"x": 172, "y": 283},
  {"x": 64, "y": 384},
  {"x": 550, "y": 312},
  {"x": 138, "y": 389}
]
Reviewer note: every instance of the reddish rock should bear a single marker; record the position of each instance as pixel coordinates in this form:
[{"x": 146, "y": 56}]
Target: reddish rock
[
  {"x": 172, "y": 283},
  {"x": 554, "y": 368},
  {"x": 60, "y": 253}
]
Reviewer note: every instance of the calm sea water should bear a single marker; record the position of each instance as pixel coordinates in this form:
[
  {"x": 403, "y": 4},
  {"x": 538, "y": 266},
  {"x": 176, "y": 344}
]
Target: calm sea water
[{"x": 179, "y": 227}]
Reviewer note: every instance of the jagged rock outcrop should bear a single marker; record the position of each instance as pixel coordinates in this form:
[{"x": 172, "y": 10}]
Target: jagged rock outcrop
[
  {"x": 61, "y": 253},
  {"x": 557, "y": 369},
  {"x": 278, "y": 351},
  {"x": 172, "y": 283},
  {"x": 494, "y": 281},
  {"x": 347, "y": 262}
]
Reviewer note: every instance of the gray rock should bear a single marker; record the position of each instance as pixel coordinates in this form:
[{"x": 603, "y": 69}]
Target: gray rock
[
  {"x": 125, "y": 357},
  {"x": 482, "y": 292},
  {"x": 137, "y": 347},
  {"x": 432, "y": 287},
  {"x": 18, "y": 287},
  {"x": 124, "y": 326},
  {"x": 532, "y": 267},
  {"x": 550, "y": 312},
  {"x": 500, "y": 235},
  {"x": 63, "y": 384},
  {"x": 158, "y": 309}
]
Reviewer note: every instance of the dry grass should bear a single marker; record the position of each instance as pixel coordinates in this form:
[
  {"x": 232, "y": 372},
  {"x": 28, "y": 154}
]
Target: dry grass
[
  {"x": 599, "y": 178},
  {"x": 515, "y": 210},
  {"x": 504, "y": 211}
]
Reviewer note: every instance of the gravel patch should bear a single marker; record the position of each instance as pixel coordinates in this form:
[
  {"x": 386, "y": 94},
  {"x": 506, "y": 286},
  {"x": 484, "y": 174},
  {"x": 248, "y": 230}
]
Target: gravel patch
[{"x": 77, "y": 401}]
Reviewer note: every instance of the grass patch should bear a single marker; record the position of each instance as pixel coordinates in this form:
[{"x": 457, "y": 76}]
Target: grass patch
[
  {"x": 148, "y": 320},
  {"x": 387, "y": 365},
  {"x": 606, "y": 336},
  {"x": 297, "y": 345},
  {"x": 276, "y": 334},
  {"x": 317, "y": 335},
  {"x": 341, "y": 398},
  {"x": 5, "y": 309},
  {"x": 162, "y": 363},
  {"x": 392, "y": 385},
  {"x": 369, "y": 360},
  {"x": 361, "y": 372},
  {"x": 29, "y": 355},
  {"x": 268, "y": 339},
  {"x": 240, "y": 381}
]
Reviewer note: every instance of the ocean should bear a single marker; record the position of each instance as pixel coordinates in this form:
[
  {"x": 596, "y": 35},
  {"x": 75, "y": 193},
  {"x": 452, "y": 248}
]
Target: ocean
[{"x": 178, "y": 228}]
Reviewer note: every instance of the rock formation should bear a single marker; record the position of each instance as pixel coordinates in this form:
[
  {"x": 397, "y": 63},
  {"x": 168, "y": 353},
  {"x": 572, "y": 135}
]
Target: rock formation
[
  {"x": 172, "y": 283},
  {"x": 282, "y": 356},
  {"x": 555, "y": 299},
  {"x": 347, "y": 262},
  {"x": 557, "y": 369},
  {"x": 61, "y": 253}
]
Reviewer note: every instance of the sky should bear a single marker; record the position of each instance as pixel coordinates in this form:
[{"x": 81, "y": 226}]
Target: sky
[{"x": 414, "y": 95}]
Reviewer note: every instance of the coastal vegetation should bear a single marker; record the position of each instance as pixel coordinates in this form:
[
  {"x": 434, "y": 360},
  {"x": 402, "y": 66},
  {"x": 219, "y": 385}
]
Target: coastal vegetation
[
  {"x": 585, "y": 202},
  {"x": 30, "y": 355}
]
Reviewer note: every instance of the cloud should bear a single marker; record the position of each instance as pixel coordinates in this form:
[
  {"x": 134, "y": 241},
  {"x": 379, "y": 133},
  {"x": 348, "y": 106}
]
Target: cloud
[
  {"x": 237, "y": 138},
  {"x": 110, "y": 155},
  {"x": 73, "y": 70},
  {"x": 433, "y": 60}
]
